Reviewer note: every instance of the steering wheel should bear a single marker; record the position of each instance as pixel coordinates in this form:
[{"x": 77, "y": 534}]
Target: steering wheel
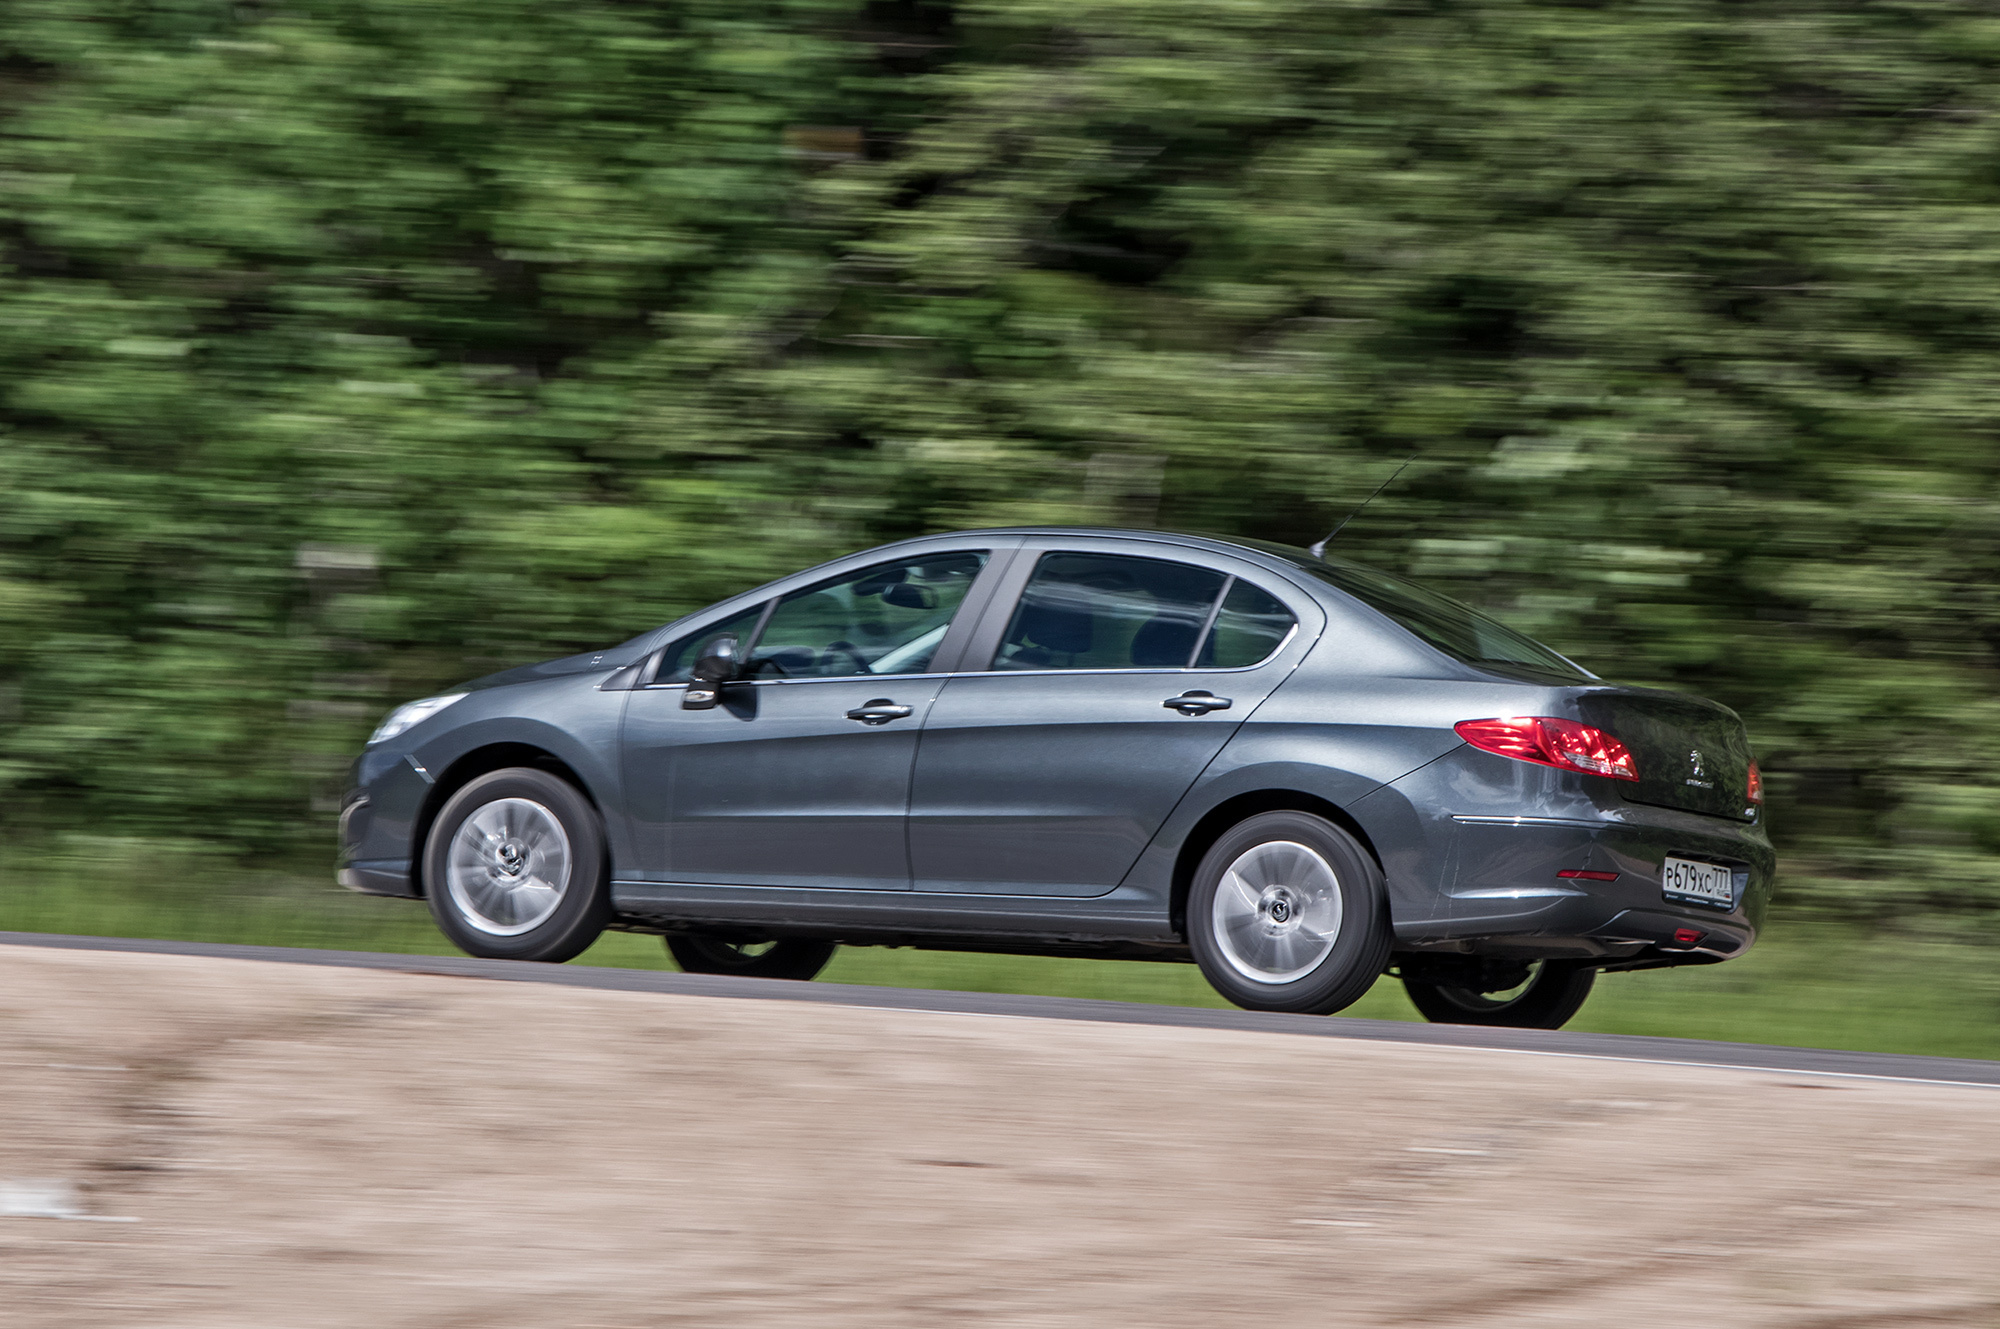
[{"x": 830, "y": 657}]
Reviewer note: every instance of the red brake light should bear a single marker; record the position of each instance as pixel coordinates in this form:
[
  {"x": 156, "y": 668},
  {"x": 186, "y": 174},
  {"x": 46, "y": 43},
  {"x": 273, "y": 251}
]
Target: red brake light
[
  {"x": 1552, "y": 742},
  {"x": 1756, "y": 784}
]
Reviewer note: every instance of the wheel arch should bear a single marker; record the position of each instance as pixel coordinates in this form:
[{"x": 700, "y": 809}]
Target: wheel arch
[
  {"x": 1239, "y": 807},
  {"x": 470, "y": 766}
]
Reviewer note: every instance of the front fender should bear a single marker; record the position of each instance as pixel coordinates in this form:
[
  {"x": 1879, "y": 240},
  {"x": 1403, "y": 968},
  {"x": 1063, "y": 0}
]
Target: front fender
[{"x": 573, "y": 722}]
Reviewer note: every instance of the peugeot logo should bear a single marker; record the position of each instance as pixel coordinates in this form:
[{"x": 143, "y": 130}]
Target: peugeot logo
[{"x": 1696, "y": 771}]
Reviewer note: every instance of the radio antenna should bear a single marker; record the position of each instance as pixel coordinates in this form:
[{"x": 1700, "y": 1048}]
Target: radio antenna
[{"x": 1319, "y": 550}]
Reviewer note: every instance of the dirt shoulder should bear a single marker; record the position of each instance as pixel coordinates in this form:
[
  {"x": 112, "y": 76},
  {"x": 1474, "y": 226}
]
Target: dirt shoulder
[{"x": 315, "y": 1147}]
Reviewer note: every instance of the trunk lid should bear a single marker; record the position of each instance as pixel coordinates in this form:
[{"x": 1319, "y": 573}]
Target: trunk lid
[{"x": 1692, "y": 754}]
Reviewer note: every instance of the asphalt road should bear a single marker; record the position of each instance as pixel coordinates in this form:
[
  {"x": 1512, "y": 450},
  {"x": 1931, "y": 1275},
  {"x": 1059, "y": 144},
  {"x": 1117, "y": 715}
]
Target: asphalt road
[{"x": 1556, "y": 1043}]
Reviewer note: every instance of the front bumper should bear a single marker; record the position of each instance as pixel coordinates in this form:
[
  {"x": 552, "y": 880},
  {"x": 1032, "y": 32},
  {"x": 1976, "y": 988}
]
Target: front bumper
[
  {"x": 378, "y": 877},
  {"x": 377, "y": 818}
]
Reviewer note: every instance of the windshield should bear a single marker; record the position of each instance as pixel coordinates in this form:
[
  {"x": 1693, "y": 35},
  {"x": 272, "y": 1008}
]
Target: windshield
[{"x": 1456, "y": 629}]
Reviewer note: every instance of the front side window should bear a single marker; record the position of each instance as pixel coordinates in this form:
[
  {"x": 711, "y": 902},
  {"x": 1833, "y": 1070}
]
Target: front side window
[
  {"x": 1109, "y": 611},
  {"x": 888, "y": 619}
]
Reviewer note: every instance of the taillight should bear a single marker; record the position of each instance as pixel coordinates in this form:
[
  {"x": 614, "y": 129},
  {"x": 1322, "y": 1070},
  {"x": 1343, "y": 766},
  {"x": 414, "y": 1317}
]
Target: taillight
[
  {"x": 1756, "y": 784},
  {"x": 1552, "y": 742}
]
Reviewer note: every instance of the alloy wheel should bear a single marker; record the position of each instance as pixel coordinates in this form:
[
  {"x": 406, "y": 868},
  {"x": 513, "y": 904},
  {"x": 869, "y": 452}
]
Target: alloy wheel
[
  {"x": 508, "y": 866},
  {"x": 1277, "y": 911}
]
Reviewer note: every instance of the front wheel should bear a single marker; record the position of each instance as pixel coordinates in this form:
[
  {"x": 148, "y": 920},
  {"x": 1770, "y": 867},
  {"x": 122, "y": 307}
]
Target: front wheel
[
  {"x": 1287, "y": 914},
  {"x": 1542, "y": 995},
  {"x": 514, "y": 868},
  {"x": 698, "y": 953}
]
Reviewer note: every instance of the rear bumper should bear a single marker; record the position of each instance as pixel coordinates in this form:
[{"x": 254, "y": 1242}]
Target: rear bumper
[
  {"x": 1582, "y": 927},
  {"x": 1506, "y": 897}
]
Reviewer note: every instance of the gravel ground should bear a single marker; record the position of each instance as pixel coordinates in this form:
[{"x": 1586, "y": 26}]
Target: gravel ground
[{"x": 285, "y": 1146}]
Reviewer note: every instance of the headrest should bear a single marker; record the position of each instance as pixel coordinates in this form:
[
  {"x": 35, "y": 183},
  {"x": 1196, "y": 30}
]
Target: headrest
[
  {"x": 1165, "y": 642},
  {"x": 1056, "y": 627}
]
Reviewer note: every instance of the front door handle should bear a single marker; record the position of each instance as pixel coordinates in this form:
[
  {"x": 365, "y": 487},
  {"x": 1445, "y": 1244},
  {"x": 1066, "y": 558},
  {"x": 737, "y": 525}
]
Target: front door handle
[
  {"x": 1196, "y": 703},
  {"x": 880, "y": 711}
]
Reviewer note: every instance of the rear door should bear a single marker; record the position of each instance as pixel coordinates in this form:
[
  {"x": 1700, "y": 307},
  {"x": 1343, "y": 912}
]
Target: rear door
[{"x": 1106, "y": 676}]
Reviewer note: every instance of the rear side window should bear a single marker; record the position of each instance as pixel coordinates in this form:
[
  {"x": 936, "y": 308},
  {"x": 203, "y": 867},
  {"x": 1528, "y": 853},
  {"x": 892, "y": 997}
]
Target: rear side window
[
  {"x": 1109, "y": 611},
  {"x": 1250, "y": 625},
  {"x": 1115, "y": 611}
]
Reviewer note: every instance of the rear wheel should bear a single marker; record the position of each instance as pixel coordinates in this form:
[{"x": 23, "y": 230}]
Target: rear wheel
[
  {"x": 1287, "y": 913},
  {"x": 699, "y": 953},
  {"x": 514, "y": 868},
  {"x": 1539, "y": 995}
]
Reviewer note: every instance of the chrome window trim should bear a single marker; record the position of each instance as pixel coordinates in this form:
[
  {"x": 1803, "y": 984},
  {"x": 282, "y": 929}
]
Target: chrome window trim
[
  {"x": 1284, "y": 642},
  {"x": 794, "y": 682}
]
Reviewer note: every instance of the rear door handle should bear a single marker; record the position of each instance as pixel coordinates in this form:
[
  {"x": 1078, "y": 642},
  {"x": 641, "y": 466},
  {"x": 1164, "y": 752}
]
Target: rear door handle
[
  {"x": 1196, "y": 703},
  {"x": 879, "y": 711}
]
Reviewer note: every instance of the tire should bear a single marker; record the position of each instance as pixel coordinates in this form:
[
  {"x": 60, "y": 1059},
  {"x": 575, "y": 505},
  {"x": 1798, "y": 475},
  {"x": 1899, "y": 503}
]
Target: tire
[
  {"x": 1287, "y": 913},
  {"x": 700, "y": 953},
  {"x": 1552, "y": 993},
  {"x": 515, "y": 868}
]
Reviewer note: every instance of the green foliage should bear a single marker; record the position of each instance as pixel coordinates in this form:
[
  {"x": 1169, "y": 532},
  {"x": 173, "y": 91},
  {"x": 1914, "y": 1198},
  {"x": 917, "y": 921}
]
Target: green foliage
[
  {"x": 319, "y": 336},
  {"x": 354, "y": 347}
]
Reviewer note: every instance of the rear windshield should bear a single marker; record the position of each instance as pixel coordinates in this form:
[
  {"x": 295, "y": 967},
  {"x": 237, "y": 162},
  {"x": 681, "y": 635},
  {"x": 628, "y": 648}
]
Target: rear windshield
[{"x": 1457, "y": 630}]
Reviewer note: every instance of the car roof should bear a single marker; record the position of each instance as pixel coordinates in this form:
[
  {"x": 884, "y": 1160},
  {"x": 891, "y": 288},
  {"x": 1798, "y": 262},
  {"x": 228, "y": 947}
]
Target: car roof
[
  {"x": 1265, "y": 550},
  {"x": 1295, "y": 564}
]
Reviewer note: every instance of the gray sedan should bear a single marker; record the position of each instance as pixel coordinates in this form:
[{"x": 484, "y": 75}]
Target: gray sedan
[{"x": 1298, "y": 773}]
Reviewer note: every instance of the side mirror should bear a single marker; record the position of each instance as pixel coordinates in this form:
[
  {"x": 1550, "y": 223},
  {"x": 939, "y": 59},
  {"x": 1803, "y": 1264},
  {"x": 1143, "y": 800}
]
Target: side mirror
[{"x": 717, "y": 664}]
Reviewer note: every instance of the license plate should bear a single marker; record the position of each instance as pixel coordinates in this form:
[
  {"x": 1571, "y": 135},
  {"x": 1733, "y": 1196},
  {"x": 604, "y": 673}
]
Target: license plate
[{"x": 1703, "y": 883}]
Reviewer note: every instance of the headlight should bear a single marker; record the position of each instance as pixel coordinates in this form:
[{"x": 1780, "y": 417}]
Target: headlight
[{"x": 410, "y": 713}]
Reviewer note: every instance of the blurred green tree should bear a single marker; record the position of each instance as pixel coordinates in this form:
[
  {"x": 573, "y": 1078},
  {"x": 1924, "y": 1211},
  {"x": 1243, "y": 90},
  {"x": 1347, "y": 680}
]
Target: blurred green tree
[{"x": 352, "y": 347}]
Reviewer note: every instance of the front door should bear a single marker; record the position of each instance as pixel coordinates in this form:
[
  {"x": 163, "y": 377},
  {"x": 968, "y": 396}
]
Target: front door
[
  {"x": 1048, "y": 773},
  {"x": 801, "y": 775}
]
